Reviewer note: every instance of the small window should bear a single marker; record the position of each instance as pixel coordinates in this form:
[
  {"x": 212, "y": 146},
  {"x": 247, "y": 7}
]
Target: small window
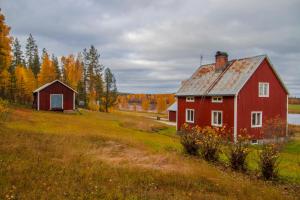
[
  {"x": 256, "y": 119},
  {"x": 254, "y": 141},
  {"x": 190, "y": 99},
  {"x": 217, "y": 99},
  {"x": 189, "y": 115},
  {"x": 216, "y": 118},
  {"x": 263, "y": 89}
]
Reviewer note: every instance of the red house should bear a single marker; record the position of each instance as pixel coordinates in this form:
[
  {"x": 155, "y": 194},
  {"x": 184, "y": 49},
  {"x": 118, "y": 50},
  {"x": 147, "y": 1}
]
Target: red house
[
  {"x": 172, "y": 112},
  {"x": 56, "y": 96},
  {"x": 240, "y": 93}
]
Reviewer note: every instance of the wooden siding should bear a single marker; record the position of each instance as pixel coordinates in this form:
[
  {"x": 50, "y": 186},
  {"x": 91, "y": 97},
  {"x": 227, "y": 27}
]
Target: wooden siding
[
  {"x": 172, "y": 116},
  {"x": 248, "y": 100},
  {"x": 203, "y": 108},
  {"x": 56, "y": 88}
]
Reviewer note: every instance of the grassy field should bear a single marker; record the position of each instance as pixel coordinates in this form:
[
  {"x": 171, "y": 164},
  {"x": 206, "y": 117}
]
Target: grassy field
[
  {"x": 294, "y": 108},
  {"x": 46, "y": 155}
]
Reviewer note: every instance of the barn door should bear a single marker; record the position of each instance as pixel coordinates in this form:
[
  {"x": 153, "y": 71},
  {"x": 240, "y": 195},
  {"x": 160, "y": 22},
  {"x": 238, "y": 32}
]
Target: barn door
[{"x": 56, "y": 101}]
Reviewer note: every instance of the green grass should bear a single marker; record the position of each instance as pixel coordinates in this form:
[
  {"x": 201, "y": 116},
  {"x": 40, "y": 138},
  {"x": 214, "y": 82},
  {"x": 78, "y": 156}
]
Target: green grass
[
  {"x": 45, "y": 155},
  {"x": 294, "y": 108}
]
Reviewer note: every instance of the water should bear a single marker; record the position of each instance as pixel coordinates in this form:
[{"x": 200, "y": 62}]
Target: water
[{"x": 294, "y": 119}]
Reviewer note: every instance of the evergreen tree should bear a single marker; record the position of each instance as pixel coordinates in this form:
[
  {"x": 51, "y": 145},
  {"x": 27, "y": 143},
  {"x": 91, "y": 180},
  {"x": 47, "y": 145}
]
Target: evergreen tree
[
  {"x": 18, "y": 57},
  {"x": 110, "y": 92},
  {"x": 56, "y": 66},
  {"x": 32, "y": 56},
  {"x": 5, "y": 57}
]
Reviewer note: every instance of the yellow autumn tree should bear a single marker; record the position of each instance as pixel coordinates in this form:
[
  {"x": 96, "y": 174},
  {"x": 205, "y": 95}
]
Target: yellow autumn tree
[
  {"x": 92, "y": 102},
  {"x": 161, "y": 104},
  {"x": 73, "y": 70},
  {"x": 145, "y": 104},
  {"x": 48, "y": 71},
  {"x": 25, "y": 84},
  {"x": 5, "y": 56}
]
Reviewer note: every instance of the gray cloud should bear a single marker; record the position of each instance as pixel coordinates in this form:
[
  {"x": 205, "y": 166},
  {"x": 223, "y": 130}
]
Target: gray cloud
[{"x": 152, "y": 45}]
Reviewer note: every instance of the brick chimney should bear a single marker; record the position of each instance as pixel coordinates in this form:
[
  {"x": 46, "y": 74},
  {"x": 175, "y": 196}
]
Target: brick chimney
[{"x": 221, "y": 60}]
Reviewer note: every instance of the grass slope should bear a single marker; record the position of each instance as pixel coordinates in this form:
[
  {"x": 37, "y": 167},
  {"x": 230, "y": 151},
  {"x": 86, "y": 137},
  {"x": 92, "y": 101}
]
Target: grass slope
[{"x": 46, "y": 155}]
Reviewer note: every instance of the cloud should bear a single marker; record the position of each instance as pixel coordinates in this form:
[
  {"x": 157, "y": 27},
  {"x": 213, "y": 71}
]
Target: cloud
[{"x": 152, "y": 46}]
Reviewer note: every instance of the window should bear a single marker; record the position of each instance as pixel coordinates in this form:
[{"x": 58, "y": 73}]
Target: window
[
  {"x": 217, "y": 99},
  {"x": 190, "y": 99},
  {"x": 189, "y": 115},
  {"x": 254, "y": 141},
  {"x": 256, "y": 119},
  {"x": 216, "y": 118},
  {"x": 263, "y": 89}
]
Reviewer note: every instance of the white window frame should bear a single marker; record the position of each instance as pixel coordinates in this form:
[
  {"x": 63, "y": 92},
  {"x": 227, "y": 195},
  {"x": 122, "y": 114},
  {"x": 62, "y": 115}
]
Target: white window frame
[
  {"x": 187, "y": 115},
  {"x": 216, "y": 99},
  {"x": 212, "y": 118},
  {"x": 261, "y": 86},
  {"x": 62, "y": 100},
  {"x": 254, "y": 141},
  {"x": 190, "y": 99},
  {"x": 256, "y": 125}
]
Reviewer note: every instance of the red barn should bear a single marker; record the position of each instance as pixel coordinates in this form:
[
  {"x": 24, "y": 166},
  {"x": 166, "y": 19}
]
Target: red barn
[
  {"x": 56, "y": 96},
  {"x": 240, "y": 93},
  {"x": 172, "y": 112}
]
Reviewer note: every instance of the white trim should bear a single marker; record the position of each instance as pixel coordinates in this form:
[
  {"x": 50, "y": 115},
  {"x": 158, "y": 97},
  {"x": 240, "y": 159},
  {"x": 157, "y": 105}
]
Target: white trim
[
  {"x": 217, "y": 99},
  {"x": 263, "y": 84},
  {"x": 177, "y": 115},
  {"x": 235, "y": 119},
  {"x": 212, "y": 118},
  {"x": 38, "y": 101},
  {"x": 287, "y": 114},
  {"x": 186, "y": 115},
  {"x": 254, "y": 141},
  {"x": 62, "y": 100},
  {"x": 256, "y": 112},
  {"x": 48, "y": 84},
  {"x": 190, "y": 99},
  {"x": 73, "y": 100}
]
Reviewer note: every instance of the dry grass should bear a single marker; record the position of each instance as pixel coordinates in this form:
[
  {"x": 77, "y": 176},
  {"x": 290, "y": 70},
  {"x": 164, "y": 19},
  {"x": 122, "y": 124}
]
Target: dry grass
[{"x": 95, "y": 156}]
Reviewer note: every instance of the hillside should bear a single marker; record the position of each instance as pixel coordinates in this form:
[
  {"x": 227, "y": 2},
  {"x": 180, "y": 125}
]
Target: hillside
[{"x": 91, "y": 155}]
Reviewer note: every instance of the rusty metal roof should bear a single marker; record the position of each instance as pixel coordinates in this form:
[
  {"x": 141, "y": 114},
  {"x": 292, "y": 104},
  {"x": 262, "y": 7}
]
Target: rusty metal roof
[{"x": 207, "y": 81}]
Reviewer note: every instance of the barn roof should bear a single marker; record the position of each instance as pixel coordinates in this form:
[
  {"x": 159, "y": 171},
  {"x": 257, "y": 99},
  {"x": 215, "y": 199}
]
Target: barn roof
[
  {"x": 48, "y": 84},
  {"x": 208, "y": 81},
  {"x": 173, "y": 107}
]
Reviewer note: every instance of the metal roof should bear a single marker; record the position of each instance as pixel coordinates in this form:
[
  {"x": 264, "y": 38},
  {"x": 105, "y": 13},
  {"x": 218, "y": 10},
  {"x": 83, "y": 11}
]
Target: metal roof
[
  {"x": 173, "y": 107},
  {"x": 207, "y": 81},
  {"x": 48, "y": 84}
]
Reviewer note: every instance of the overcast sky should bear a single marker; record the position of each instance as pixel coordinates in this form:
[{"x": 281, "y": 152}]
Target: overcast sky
[{"x": 152, "y": 45}]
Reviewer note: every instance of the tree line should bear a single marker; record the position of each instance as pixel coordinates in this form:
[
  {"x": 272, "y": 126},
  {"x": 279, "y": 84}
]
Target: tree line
[
  {"x": 21, "y": 73},
  {"x": 146, "y": 102}
]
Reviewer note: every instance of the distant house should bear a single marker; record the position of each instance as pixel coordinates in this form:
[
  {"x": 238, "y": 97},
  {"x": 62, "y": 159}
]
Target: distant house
[
  {"x": 240, "y": 93},
  {"x": 55, "y": 96},
  {"x": 172, "y": 112}
]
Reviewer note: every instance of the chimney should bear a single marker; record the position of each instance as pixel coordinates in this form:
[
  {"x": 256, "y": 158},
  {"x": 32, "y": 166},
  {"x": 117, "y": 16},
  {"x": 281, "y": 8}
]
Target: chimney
[{"x": 221, "y": 60}]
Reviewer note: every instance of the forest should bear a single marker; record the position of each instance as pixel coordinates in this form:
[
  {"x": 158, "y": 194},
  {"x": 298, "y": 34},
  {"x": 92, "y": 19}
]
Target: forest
[{"x": 22, "y": 72}]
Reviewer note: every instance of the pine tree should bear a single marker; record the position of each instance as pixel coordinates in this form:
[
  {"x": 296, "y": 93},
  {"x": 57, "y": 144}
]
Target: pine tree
[
  {"x": 32, "y": 56},
  {"x": 110, "y": 93},
  {"x": 56, "y": 66},
  {"x": 18, "y": 57},
  {"x": 5, "y": 57}
]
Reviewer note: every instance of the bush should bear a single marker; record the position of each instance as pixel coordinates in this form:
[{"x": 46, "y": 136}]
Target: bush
[
  {"x": 210, "y": 142},
  {"x": 4, "y": 110},
  {"x": 238, "y": 153},
  {"x": 268, "y": 161},
  {"x": 189, "y": 139}
]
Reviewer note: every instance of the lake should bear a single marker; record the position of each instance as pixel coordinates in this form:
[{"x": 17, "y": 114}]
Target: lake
[{"x": 294, "y": 119}]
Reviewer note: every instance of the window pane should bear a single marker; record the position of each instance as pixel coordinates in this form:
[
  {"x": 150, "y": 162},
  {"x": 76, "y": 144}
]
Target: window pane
[
  {"x": 192, "y": 115},
  {"x": 258, "y": 119},
  {"x": 219, "y": 118},
  {"x": 253, "y": 118}
]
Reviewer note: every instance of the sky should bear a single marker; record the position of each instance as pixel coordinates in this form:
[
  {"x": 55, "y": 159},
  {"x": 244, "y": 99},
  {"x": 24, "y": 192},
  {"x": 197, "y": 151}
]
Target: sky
[{"x": 151, "y": 46}]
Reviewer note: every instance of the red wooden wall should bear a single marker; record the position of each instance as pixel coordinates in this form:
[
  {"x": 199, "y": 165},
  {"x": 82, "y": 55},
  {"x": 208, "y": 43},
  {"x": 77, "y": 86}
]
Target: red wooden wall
[
  {"x": 56, "y": 88},
  {"x": 172, "y": 116},
  {"x": 203, "y": 108},
  {"x": 248, "y": 100}
]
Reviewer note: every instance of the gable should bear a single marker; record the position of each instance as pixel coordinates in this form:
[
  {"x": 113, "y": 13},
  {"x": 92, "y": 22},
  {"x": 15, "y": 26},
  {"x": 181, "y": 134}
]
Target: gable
[{"x": 51, "y": 83}]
